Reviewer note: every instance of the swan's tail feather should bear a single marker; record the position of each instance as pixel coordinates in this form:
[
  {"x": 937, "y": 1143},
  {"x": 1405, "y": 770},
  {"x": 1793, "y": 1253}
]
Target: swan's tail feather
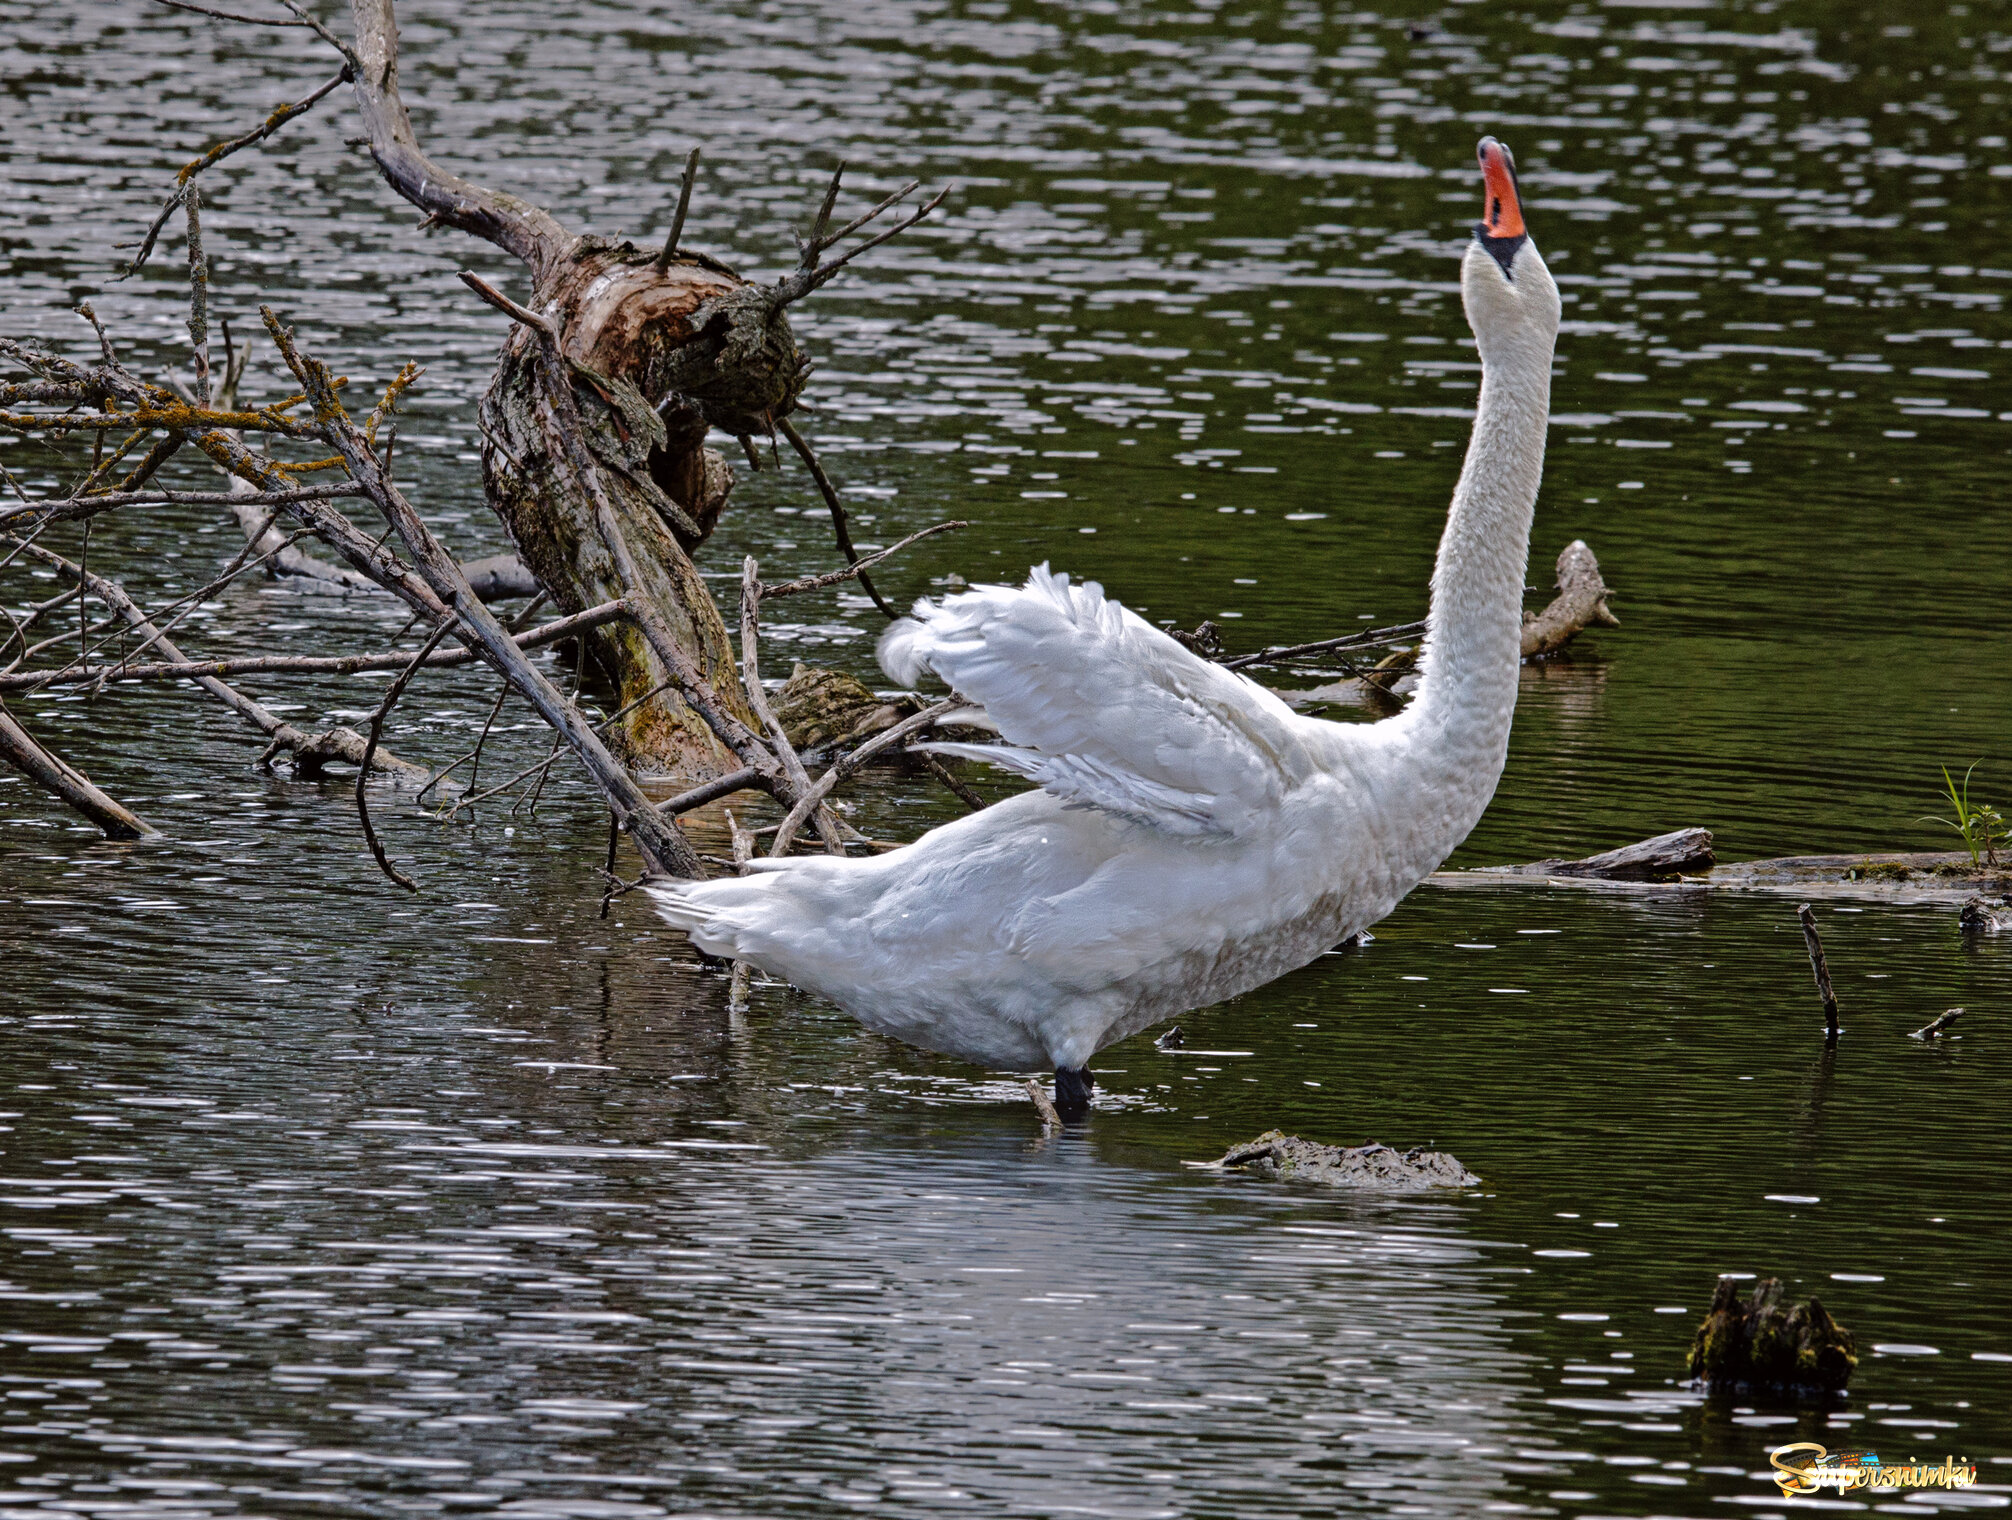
[
  {"x": 674, "y": 907},
  {"x": 723, "y": 917}
]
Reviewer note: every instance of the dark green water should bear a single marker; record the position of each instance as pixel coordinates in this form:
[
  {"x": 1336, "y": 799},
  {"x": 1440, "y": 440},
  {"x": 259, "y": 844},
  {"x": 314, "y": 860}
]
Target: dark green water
[{"x": 315, "y": 1199}]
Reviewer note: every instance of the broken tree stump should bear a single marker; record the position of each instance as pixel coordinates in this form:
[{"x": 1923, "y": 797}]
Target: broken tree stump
[{"x": 1759, "y": 1344}]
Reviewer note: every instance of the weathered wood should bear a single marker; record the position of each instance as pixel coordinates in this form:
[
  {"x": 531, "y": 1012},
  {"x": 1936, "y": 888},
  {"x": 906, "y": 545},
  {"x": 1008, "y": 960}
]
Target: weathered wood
[
  {"x": 530, "y": 232},
  {"x": 657, "y": 838},
  {"x": 1681, "y": 852},
  {"x": 1934, "y": 1028},
  {"x": 63, "y": 781},
  {"x": 1044, "y": 1106},
  {"x": 567, "y": 453},
  {"x": 1982, "y": 916}
]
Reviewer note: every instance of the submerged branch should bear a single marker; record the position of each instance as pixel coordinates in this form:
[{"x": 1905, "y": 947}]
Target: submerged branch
[{"x": 66, "y": 783}]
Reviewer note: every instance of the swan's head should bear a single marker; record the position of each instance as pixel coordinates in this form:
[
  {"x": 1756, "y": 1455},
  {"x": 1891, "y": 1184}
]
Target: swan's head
[{"x": 1508, "y": 293}]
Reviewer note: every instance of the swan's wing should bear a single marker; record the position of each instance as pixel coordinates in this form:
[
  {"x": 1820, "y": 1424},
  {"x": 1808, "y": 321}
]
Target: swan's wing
[{"x": 1101, "y": 707}]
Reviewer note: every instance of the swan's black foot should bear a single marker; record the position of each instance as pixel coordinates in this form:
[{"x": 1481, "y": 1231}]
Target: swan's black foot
[{"x": 1072, "y": 1092}]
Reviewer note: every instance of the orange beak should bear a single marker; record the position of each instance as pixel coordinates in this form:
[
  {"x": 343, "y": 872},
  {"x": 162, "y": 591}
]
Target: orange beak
[{"x": 1501, "y": 210}]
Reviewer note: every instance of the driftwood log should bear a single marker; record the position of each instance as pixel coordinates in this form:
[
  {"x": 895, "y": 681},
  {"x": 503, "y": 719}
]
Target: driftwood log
[
  {"x": 1682, "y": 852},
  {"x": 1682, "y": 861},
  {"x": 19, "y": 749}
]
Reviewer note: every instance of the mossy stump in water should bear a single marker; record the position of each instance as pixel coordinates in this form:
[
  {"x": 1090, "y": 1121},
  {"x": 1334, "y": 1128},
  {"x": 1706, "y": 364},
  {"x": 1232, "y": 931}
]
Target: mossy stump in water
[
  {"x": 820, "y": 709},
  {"x": 1759, "y": 1343}
]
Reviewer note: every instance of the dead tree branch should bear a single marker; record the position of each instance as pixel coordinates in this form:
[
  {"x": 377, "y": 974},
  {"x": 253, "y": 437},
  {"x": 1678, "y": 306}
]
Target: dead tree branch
[
  {"x": 79, "y": 508},
  {"x": 837, "y": 509},
  {"x": 858, "y": 566},
  {"x": 66, "y": 783},
  {"x": 517, "y": 227},
  {"x": 757, "y": 695},
  {"x": 279, "y": 118},
  {"x": 1373, "y": 638},
  {"x": 299, "y": 664},
  {"x": 391, "y": 695},
  {"x": 663, "y": 847},
  {"x": 310, "y": 751},
  {"x": 846, "y": 764}
]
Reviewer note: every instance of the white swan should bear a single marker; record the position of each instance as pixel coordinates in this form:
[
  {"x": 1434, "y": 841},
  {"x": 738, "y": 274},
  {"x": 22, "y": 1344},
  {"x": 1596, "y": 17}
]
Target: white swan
[{"x": 1192, "y": 836}]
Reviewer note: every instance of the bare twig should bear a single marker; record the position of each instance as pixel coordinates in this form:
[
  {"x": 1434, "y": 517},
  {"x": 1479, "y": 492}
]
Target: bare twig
[
  {"x": 199, "y": 295},
  {"x": 712, "y": 791},
  {"x": 475, "y": 755},
  {"x": 678, "y": 218},
  {"x": 542, "y": 766},
  {"x": 391, "y": 695},
  {"x": 837, "y": 577},
  {"x": 757, "y": 695},
  {"x": 963, "y": 793},
  {"x": 279, "y": 118},
  {"x": 837, "y": 509},
  {"x": 810, "y": 273},
  {"x": 1369, "y": 639},
  {"x": 311, "y": 750},
  {"x": 1818, "y": 965},
  {"x": 846, "y": 764},
  {"x": 204, "y": 10}
]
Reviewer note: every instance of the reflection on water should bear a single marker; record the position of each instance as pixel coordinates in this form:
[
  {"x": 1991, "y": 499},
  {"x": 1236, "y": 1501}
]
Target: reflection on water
[{"x": 319, "y": 1199}]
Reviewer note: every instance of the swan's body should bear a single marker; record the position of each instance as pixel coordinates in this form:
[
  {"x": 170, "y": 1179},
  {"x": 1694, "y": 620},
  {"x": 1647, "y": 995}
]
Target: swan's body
[{"x": 1193, "y": 837}]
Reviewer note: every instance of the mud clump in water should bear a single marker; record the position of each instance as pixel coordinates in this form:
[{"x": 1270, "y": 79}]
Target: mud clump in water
[
  {"x": 1377, "y": 1167},
  {"x": 1760, "y": 1343}
]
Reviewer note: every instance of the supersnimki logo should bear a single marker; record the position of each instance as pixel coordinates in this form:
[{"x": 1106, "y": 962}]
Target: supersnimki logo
[{"x": 1803, "y": 1467}]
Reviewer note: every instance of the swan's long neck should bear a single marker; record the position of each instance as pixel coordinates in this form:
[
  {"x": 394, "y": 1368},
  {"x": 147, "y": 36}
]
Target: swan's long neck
[{"x": 1455, "y": 734}]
